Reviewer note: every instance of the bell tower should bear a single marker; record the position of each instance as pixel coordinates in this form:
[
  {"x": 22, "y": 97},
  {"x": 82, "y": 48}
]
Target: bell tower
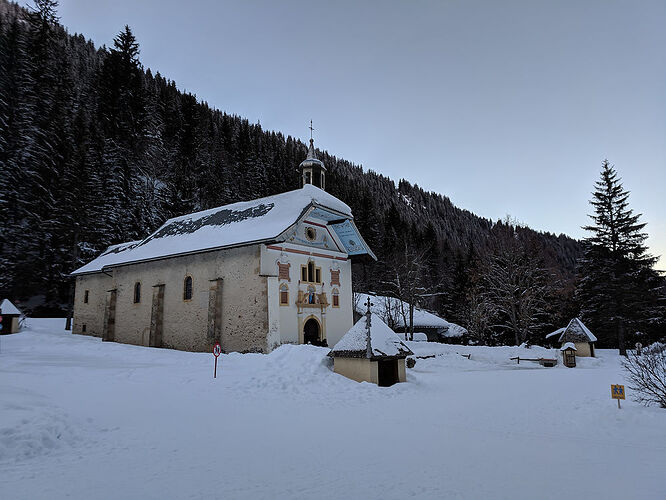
[{"x": 312, "y": 169}]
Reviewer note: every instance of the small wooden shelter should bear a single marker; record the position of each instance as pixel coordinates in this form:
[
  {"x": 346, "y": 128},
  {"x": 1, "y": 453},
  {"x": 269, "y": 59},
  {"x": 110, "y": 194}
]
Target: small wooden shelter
[
  {"x": 10, "y": 317},
  {"x": 577, "y": 334},
  {"x": 569, "y": 354},
  {"x": 371, "y": 352}
]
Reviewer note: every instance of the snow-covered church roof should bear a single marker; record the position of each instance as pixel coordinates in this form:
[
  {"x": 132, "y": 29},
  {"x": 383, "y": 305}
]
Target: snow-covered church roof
[
  {"x": 244, "y": 223},
  {"x": 112, "y": 255},
  {"x": 383, "y": 341},
  {"x": 575, "y": 331}
]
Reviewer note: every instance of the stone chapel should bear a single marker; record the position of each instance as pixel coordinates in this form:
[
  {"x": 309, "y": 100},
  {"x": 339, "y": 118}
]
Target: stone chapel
[{"x": 251, "y": 275}]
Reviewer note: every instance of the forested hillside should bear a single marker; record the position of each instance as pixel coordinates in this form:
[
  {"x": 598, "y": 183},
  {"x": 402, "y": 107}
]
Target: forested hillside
[{"x": 96, "y": 150}]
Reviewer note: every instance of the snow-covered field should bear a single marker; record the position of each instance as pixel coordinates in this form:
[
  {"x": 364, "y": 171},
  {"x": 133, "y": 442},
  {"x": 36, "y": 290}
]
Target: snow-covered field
[{"x": 84, "y": 419}]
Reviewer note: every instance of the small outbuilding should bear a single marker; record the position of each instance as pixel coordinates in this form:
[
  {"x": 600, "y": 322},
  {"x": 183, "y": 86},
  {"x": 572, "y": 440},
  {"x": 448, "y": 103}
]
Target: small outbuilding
[
  {"x": 10, "y": 317},
  {"x": 371, "y": 352},
  {"x": 395, "y": 313},
  {"x": 569, "y": 354},
  {"x": 577, "y": 334}
]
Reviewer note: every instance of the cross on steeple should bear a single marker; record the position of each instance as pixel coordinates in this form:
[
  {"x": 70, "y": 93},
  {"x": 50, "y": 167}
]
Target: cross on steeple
[
  {"x": 368, "y": 341},
  {"x": 312, "y": 169}
]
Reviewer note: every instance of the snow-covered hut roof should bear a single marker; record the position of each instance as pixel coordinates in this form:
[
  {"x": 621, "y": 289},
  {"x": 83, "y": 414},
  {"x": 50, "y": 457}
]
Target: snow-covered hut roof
[
  {"x": 6, "y": 307},
  {"x": 383, "y": 341},
  {"x": 556, "y": 333},
  {"x": 568, "y": 345},
  {"x": 576, "y": 331},
  {"x": 455, "y": 330},
  {"x": 384, "y": 306},
  {"x": 244, "y": 223}
]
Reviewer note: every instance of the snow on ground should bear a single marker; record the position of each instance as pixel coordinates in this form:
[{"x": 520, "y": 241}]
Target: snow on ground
[{"x": 84, "y": 419}]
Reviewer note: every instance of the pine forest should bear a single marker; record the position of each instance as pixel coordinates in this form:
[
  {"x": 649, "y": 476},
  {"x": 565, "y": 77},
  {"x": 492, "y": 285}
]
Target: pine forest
[{"x": 96, "y": 150}]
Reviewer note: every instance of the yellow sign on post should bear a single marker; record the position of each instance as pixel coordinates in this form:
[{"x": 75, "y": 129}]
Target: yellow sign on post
[{"x": 617, "y": 392}]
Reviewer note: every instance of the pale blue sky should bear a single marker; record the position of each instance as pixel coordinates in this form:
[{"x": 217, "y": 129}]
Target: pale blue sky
[{"x": 507, "y": 107}]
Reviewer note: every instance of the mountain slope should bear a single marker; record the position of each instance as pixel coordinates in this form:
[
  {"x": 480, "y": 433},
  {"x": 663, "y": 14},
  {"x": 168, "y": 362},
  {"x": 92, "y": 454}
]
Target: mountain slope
[{"x": 96, "y": 150}]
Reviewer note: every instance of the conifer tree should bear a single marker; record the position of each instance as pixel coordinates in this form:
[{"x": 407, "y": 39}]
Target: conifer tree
[{"x": 616, "y": 277}]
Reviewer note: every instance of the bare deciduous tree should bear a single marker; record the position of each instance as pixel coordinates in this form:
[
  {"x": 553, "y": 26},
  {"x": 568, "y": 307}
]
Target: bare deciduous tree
[
  {"x": 408, "y": 283},
  {"x": 393, "y": 312},
  {"x": 479, "y": 319},
  {"x": 513, "y": 287},
  {"x": 647, "y": 374}
]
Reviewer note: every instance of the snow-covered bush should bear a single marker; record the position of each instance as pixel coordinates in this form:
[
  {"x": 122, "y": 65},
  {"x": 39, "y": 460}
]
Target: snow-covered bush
[{"x": 647, "y": 374}]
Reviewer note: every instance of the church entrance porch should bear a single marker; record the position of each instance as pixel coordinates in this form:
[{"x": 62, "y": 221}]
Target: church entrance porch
[{"x": 312, "y": 333}]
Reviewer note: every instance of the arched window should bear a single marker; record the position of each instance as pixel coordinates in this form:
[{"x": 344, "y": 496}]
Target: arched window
[
  {"x": 310, "y": 273},
  {"x": 137, "y": 292},
  {"x": 187, "y": 288},
  {"x": 284, "y": 294},
  {"x": 336, "y": 297}
]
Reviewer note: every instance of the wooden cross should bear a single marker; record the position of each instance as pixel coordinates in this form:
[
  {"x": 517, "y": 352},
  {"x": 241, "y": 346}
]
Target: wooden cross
[{"x": 368, "y": 318}]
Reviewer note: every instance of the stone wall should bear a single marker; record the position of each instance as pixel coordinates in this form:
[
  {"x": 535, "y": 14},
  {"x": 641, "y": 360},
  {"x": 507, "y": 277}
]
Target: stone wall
[
  {"x": 359, "y": 369},
  {"x": 583, "y": 349},
  {"x": 90, "y": 316},
  {"x": 243, "y": 321}
]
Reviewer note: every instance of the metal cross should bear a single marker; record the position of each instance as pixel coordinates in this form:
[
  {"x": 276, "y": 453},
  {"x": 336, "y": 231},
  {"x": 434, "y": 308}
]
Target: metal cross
[{"x": 311, "y": 129}]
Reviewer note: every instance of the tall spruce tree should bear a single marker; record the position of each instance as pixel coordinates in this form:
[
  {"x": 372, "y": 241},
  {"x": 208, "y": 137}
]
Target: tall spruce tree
[{"x": 617, "y": 282}]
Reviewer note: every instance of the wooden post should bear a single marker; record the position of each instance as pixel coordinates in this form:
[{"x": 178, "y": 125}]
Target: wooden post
[{"x": 368, "y": 316}]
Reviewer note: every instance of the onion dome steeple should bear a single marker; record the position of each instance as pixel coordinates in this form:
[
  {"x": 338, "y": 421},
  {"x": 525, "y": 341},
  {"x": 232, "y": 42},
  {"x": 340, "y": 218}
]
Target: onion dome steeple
[{"x": 312, "y": 168}]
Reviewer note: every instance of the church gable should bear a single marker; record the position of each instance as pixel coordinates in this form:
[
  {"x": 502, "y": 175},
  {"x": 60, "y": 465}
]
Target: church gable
[
  {"x": 312, "y": 234},
  {"x": 325, "y": 229}
]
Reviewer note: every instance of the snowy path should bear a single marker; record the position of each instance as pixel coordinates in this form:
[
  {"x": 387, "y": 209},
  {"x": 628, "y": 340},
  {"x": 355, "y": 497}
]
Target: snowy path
[{"x": 84, "y": 419}]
